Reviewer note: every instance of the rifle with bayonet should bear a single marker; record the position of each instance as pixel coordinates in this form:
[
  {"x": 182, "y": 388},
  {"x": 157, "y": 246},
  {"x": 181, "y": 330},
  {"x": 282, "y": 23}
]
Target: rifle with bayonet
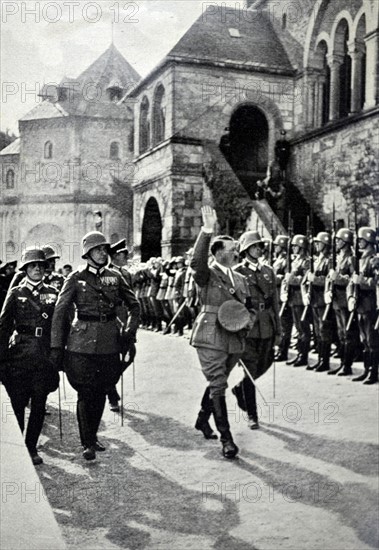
[
  {"x": 284, "y": 286},
  {"x": 329, "y": 284},
  {"x": 306, "y": 285},
  {"x": 353, "y": 289}
]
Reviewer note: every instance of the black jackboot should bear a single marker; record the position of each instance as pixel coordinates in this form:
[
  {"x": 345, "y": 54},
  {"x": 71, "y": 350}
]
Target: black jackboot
[
  {"x": 318, "y": 362},
  {"x": 251, "y": 403},
  {"x": 220, "y": 413},
  {"x": 373, "y": 378},
  {"x": 203, "y": 417},
  {"x": 366, "y": 366},
  {"x": 347, "y": 360},
  {"x": 325, "y": 357}
]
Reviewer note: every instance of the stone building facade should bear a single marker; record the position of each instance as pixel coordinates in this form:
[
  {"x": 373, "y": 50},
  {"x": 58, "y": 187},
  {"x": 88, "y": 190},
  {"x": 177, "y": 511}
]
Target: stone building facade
[
  {"x": 309, "y": 68},
  {"x": 223, "y": 97},
  {"x": 60, "y": 171}
]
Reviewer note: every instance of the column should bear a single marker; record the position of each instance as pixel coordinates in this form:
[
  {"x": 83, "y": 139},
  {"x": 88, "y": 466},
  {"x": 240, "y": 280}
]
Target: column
[
  {"x": 356, "y": 52},
  {"x": 309, "y": 98},
  {"x": 372, "y": 71},
  {"x": 319, "y": 100},
  {"x": 334, "y": 62}
]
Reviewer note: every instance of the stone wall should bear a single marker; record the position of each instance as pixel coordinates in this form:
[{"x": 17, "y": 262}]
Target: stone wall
[{"x": 340, "y": 165}]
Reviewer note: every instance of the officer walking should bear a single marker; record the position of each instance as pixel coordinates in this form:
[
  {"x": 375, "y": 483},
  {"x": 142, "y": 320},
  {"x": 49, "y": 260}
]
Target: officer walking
[
  {"x": 218, "y": 349},
  {"x": 266, "y": 330},
  {"x": 93, "y": 343},
  {"x": 118, "y": 253},
  {"x": 25, "y": 325}
]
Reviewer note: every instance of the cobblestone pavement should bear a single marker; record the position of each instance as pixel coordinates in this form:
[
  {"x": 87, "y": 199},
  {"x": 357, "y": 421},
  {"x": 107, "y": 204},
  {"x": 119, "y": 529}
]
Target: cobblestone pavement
[{"x": 306, "y": 480}]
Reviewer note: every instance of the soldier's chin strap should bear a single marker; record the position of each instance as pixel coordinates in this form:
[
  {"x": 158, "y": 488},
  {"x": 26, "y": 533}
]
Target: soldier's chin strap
[{"x": 97, "y": 264}]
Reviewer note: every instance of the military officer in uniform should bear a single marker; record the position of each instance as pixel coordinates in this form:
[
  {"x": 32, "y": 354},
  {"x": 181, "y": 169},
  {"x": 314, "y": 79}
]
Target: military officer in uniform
[
  {"x": 366, "y": 304},
  {"x": 25, "y": 325},
  {"x": 93, "y": 340},
  {"x": 118, "y": 253},
  {"x": 266, "y": 330},
  {"x": 217, "y": 348},
  {"x": 51, "y": 276},
  {"x": 299, "y": 268}
]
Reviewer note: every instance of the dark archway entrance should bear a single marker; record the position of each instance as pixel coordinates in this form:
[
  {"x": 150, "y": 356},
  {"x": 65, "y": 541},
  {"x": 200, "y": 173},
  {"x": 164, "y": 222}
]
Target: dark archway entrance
[
  {"x": 247, "y": 151},
  {"x": 151, "y": 231}
]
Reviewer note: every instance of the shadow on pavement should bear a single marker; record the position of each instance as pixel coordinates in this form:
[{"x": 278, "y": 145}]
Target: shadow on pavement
[{"x": 125, "y": 503}]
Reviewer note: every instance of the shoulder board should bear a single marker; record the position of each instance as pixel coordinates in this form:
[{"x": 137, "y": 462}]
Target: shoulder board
[{"x": 50, "y": 288}]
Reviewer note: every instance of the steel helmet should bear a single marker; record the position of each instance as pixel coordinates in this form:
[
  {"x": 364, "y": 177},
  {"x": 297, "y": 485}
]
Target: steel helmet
[
  {"x": 179, "y": 259},
  {"x": 249, "y": 238},
  {"x": 32, "y": 255},
  {"x": 92, "y": 240},
  {"x": 368, "y": 234},
  {"x": 323, "y": 237},
  {"x": 345, "y": 235},
  {"x": 281, "y": 240},
  {"x": 299, "y": 240},
  {"x": 50, "y": 253}
]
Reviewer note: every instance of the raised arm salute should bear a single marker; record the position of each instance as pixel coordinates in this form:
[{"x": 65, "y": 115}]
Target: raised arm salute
[{"x": 218, "y": 346}]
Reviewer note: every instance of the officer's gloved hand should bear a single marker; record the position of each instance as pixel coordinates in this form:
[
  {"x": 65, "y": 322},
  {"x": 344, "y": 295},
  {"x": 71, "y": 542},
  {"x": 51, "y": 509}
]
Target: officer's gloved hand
[
  {"x": 128, "y": 338},
  {"x": 56, "y": 358}
]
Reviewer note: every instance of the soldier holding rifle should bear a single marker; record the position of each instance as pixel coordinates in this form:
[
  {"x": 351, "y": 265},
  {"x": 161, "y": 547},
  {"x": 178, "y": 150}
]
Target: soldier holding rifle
[
  {"x": 299, "y": 268},
  {"x": 339, "y": 276},
  {"x": 322, "y": 327},
  {"x": 365, "y": 304},
  {"x": 281, "y": 265},
  {"x": 219, "y": 339}
]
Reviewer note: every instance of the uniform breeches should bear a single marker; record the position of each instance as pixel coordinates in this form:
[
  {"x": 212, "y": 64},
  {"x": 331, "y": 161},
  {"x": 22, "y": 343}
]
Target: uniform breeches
[
  {"x": 303, "y": 329},
  {"x": 369, "y": 337},
  {"x": 350, "y": 336},
  {"x": 91, "y": 376},
  {"x": 23, "y": 386},
  {"x": 258, "y": 355},
  {"x": 323, "y": 329},
  {"x": 216, "y": 366}
]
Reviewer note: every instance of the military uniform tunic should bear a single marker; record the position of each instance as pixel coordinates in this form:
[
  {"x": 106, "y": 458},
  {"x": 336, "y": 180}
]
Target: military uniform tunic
[
  {"x": 93, "y": 346},
  {"x": 25, "y": 325}
]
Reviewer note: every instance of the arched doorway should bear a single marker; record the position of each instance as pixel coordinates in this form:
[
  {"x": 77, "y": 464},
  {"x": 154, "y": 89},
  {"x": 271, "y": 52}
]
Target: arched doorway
[
  {"x": 248, "y": 145},
  {"x": 151, "y": 231}
]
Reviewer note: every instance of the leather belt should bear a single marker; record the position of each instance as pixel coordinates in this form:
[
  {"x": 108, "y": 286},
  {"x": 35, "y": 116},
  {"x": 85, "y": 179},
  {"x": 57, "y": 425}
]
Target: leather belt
[
  {"x": 31, "y": 331},
  {"x": 209, "y": 309},
  {"x": 261, "y": 306},
  {"x": 102, "y": 318}
]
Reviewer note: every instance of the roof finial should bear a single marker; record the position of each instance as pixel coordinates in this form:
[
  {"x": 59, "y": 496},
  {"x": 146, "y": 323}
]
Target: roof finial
[{"x": 112, "y": 23}]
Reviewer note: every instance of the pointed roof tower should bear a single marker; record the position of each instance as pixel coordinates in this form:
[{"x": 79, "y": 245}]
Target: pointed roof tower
[{"x": 94, "y": 93}]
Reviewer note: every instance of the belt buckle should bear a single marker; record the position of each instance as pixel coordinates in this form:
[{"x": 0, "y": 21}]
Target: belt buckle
[
  {"x": 38, "y": 332},
  {"x": 103, "y": 318},
  {"x": 261, "y": 306}
]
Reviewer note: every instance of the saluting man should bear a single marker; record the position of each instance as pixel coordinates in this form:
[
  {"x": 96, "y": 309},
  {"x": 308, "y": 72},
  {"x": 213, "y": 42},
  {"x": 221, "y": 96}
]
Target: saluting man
[
  {"x": 218, "y": 349},
  {"x": 25, "y": 325},
  {"x": 93, "y": 343},
  {"x": 266, "y": 330}
]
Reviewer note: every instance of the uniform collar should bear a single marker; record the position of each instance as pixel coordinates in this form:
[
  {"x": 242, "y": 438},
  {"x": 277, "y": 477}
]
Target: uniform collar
[
  {"x": 95, "y": 270},
  {"x": 32, "y": 286},
  {"x": 253, "y": 267},
  {"x": 222, "y": 267}
]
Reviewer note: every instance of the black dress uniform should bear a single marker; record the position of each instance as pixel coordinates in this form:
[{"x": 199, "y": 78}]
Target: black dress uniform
[
  {"x": 92, "y": 342},
  {"x": 25, "y": 322}
]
